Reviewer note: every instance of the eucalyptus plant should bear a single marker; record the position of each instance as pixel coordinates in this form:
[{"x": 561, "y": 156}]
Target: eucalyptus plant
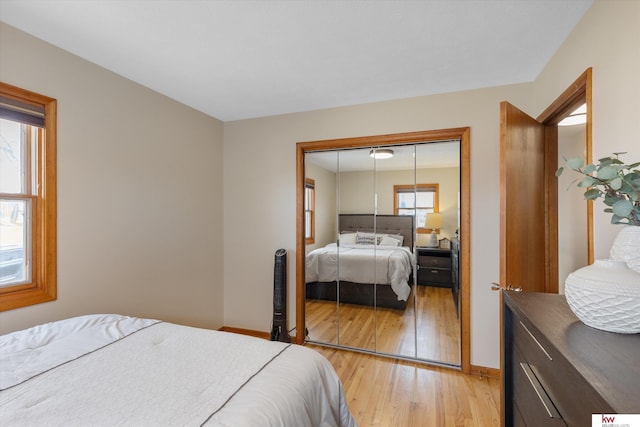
[{"x": 617, "y": 183}]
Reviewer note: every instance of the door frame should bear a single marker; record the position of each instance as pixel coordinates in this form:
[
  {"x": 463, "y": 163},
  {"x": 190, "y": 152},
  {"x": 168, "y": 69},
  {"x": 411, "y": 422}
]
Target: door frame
[
  {"x": 463, "y": 134},
  {"x": 579, "y": 92}
]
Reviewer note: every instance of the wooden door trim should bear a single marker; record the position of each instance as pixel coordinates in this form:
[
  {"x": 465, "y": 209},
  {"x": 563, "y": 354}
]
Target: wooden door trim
[
  {"x": 463, "y": 134},
  {"x": 579, "y": 92}
]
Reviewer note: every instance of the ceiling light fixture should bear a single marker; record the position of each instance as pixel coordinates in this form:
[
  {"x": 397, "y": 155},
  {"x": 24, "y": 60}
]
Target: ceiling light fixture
[
  {"x": 577, "y": 117},
  {"x": 381, "y": 153}
]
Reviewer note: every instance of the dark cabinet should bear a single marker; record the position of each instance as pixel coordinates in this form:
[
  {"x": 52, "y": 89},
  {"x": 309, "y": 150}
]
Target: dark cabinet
[
  {"x": 434, "y": 267},
  {"x": 558, "y": 371}
]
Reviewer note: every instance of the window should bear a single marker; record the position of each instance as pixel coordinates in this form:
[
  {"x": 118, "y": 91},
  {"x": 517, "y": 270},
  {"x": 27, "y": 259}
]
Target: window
[
  {"x": 27, "y": 198},
  {"x": 418, "y": 200},
  {"x": 309, "y": 211}
]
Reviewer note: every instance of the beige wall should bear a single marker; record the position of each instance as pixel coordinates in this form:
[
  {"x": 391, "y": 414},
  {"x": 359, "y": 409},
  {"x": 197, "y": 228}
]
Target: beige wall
[
  {"x": 139, "y": 192},
  {"x": 358, "y": 190},
  {"x": 607, "y": 39},
  {"x": 326, "y": 224},
  {"x": 572, "y": 207}
]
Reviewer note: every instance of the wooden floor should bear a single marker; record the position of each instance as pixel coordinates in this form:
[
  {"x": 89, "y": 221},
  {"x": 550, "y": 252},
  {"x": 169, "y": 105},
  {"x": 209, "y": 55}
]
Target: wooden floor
[
  {"x": 389, "y": 330},
  {"x": 390, "y": 393}
]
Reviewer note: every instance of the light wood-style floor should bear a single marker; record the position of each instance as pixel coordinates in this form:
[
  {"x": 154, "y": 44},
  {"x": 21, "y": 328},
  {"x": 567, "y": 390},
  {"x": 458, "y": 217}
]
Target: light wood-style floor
[
  {"x": 392, "y": 331},
  {"x": 391, "y": 393},
  {"x": 386, "y": 392}
]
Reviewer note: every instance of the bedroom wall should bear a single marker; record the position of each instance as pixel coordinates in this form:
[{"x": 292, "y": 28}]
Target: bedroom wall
[
  {"x": 139, "y": 192},
  {"x": 355, "y": 200},
  {"x": 607, "y": 39},
  {"x": 326, "y": 198},
  {"x": 572, "y": 207},
  {"x": 260, "y": 166}
]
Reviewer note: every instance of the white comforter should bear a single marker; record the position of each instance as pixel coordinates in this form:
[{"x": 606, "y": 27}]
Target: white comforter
[
  {"x": 114, "y": 370},
  {"x": 382, "y": 265}
]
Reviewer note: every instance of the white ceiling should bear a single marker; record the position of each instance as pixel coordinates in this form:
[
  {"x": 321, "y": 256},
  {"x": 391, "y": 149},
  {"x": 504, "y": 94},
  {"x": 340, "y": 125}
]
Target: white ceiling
[{"x": 242, "y": 59}]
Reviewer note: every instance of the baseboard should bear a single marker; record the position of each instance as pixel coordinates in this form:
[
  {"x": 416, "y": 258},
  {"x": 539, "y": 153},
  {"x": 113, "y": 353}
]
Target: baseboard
[
  {"x": 483, "y": 371},
  {"x": 251, "y": 332}
]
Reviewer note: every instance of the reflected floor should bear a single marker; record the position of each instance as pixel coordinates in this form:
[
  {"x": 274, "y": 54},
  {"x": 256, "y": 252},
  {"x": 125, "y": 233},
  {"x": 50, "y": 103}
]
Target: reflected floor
[{"x": 392, "y": 331}]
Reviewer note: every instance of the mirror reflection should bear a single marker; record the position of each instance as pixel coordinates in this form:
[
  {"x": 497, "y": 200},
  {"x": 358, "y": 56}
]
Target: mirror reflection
[{"x": 381, "y": 251}]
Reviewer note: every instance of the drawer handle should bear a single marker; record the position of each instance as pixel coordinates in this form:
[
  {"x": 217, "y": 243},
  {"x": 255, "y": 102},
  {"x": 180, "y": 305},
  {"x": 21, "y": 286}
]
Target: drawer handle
[
  {"x": 537, "y": 342},
  {"x": 551, "y": 410}
]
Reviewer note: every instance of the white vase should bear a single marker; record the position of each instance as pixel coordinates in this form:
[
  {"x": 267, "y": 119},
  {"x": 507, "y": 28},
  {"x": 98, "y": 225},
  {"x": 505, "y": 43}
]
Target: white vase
[
  {"x": 626, "y": 247},
  {"x": 606, "y": 295}
]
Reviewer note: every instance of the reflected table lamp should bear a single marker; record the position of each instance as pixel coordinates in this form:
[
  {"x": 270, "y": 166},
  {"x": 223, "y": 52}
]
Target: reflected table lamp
[{"x": 434, "y": 220}]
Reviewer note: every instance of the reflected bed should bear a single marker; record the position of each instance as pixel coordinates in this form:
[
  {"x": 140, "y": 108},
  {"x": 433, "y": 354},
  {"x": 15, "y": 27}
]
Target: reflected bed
[{"x": 367, "y": 268}]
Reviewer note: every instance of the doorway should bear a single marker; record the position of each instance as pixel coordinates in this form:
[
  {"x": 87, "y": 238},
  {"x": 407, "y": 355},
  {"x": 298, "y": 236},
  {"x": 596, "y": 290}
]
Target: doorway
[{"x": 529, "y": 190}]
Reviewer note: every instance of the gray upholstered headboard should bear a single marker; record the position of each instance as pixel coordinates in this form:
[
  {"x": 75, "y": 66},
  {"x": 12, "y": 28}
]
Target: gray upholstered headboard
[{"x": 388, "y": 224}]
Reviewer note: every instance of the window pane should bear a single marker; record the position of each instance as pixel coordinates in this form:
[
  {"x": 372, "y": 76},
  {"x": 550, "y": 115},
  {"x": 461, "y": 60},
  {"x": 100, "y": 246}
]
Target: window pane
[
  {"x": 425, "y": 199},
  {"x": 307, "y": 224},
  {"x": 14, "y": 239},
  {"x": 12, "y": 157},
  {"x": 406, "y": 200},
  {"x": 421, "y": 217}
]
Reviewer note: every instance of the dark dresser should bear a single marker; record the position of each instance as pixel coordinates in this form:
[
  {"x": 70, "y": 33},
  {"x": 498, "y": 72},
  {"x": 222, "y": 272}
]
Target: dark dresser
[{"x": 556, "y": 371}]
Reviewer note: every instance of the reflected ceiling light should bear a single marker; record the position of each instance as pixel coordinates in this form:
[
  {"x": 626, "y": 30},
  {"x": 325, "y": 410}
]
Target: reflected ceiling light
[
  {"x": 382, "y": 153},
  {"x": 577, "y": 117}
]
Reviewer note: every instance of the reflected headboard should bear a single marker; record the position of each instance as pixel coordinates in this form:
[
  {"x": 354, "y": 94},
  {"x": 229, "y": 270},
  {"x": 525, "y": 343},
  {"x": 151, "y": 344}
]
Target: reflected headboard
[{"x": 387, "y": 224}]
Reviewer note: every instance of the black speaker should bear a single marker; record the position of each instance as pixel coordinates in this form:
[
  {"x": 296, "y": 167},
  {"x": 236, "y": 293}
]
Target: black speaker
[{"x": 279, "y": 326}]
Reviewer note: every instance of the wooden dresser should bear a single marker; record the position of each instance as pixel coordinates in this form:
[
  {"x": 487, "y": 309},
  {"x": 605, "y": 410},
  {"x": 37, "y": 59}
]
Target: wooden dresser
[{"x": 556, "y": 371}]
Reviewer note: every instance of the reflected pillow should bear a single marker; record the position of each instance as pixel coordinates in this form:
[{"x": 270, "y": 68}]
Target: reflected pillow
[
  {"x": 367, "y": 238},
  {"x": 398, "y": 237},
  {"x": 348, "y": 238},
  {"x": 389, "y": 241}
]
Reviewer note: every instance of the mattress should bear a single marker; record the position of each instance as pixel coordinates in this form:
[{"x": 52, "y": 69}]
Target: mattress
[
  {"x": 106, "y": 370},
  {"x": 362, "y": 264}
]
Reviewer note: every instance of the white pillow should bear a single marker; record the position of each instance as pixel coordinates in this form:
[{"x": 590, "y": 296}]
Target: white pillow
[
  {"x": 389, "y": 241},
  {"x": 398, "y": 237},
  {"x": 348, "y": 238}
]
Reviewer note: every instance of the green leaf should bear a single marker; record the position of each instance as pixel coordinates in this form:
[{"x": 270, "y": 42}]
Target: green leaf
[
  {"x": 592, "y": 194},
  {"x": 616, "y": 183},
  {"x": 586, "y": 182},
  {"x": 559, "y": 171},
  {"x": 575, "y": 163},
  {"x": 622, "y": 208},
  {"x": 607, "y": 172},
  {"x": 589, "y": 169}
]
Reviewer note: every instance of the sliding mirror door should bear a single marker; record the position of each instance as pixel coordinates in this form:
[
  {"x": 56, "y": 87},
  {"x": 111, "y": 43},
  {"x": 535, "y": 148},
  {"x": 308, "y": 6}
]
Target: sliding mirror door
[
  {"x": 363, "y": 285},
  {"x": 438, "y": 218}
]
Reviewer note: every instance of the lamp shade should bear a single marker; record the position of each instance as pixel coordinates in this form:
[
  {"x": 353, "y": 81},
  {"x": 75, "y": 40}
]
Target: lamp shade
[{"x": 434, "y": 220}]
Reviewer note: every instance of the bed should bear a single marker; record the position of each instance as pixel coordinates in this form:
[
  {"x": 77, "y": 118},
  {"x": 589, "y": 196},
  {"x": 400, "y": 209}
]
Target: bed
[
  {"x": 370, "y": 251},
  {"x": 106, "y": 370}
]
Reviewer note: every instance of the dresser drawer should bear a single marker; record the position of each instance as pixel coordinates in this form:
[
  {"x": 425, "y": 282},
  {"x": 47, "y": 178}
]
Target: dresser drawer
[
  {"x": 434, "y": 275},
  {"x": 434, "y": 261},
  {"x": 531, "y": 401},
  {"x": 556, "y": 376}
]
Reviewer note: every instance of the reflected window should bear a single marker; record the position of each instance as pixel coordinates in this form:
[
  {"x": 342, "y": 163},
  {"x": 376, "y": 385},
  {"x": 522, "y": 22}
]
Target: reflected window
[
  {"x": 309, "y": 211},
  {"x": 418, "y": 200}
]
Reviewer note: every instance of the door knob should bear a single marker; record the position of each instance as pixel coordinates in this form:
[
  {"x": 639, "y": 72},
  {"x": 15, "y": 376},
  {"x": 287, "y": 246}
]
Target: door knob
[{"x": 497, "y": 286}]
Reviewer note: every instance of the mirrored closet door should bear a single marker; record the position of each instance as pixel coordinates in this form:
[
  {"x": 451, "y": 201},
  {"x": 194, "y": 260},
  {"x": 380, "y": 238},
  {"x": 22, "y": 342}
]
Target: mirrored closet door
[{"x": 366, "y": 214}]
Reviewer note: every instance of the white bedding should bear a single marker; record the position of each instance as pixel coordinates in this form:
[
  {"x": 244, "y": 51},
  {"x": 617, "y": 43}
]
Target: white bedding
[
  {"x": 393, "y": 265},
  {"x": 116, "y": 370}
]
